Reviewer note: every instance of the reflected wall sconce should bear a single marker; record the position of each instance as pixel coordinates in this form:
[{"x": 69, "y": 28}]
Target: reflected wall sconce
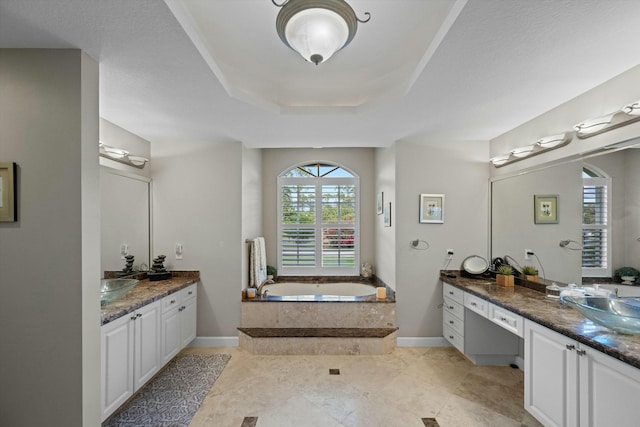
[
  {"x": 121, "y": 156},
  {"x": 317, "y": 29},
  {"x": 540, "y": 146}
]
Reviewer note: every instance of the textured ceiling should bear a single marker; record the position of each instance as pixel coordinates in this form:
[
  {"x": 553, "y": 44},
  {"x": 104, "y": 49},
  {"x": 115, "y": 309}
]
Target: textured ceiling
[{"x": 500, "y": 64}]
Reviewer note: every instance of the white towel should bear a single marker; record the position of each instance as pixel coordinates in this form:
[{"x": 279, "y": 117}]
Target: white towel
[{"x": 258, "y": 263}]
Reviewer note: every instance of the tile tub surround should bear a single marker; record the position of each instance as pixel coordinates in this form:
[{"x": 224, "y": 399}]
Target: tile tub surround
[
  {"x": 147, "y": 292},
  {"x": 552, "y": 314},
  {"x": 321, "y": 325}
]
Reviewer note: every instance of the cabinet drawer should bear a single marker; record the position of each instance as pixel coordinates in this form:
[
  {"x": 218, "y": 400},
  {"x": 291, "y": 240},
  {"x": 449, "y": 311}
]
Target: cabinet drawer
[
  {"x": 507, "y": 319},
  {"x": 454, "y": 308},
  {"x": 452, "y": 293},
  {"x": 171, "y": 301},
  {"x": 453, "y": 337},
  {"x": 476, "y": 304},
  {"x": 453, "y": 322},
  {"x": 188, "y": 293}
]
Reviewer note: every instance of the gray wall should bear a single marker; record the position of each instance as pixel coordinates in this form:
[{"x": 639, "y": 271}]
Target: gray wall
[
  {"x": 385, "y": 244},
  {"x": 49, "y": 259},
  {"x": 359, "y": 160},
  {"x": 251, "y": 204},
  {"x": 461, "y": 172},
  {"x": 197, "y": 201}
]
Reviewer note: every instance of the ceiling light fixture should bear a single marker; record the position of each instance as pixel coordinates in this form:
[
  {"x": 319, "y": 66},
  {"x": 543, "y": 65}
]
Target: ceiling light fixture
[{"x": 317, "y": 29}]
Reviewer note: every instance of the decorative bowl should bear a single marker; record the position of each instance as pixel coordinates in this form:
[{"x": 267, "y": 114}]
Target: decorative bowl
[
  {"x": 113, "y": 289},
  {"x": 620, "y": 314}
]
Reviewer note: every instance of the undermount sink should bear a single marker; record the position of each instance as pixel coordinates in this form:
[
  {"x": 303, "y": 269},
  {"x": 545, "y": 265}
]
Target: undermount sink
[
  {"x": 114, "y": 289},
  {"x": 620, "y": 314}
]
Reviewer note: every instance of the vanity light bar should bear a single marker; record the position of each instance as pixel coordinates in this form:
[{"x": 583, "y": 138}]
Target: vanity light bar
[
  {"x": 542, "y": 145},
  {"x": 122, "y": 156},
  {"x": 632, "y": 109}
]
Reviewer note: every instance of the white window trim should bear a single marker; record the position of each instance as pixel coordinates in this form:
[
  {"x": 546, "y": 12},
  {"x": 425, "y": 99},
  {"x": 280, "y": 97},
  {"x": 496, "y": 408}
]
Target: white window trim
[
  {"x": 318, "y": 270},
  {"x": 600, "y": 181}
]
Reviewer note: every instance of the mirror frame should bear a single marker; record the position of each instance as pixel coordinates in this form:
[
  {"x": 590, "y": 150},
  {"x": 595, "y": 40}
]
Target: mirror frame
[{"x": 149, "y": 182}]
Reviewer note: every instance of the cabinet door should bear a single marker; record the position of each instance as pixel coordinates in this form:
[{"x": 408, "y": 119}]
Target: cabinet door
[
  {"x": 188, "y": 322},
  {"x": 609, "y": 391},
  {"x": 117, "y": 363},
  {"x": 171, "y": 341},
  {"x": 550, "y": 376},
  {"x": 147, "y": 344}
]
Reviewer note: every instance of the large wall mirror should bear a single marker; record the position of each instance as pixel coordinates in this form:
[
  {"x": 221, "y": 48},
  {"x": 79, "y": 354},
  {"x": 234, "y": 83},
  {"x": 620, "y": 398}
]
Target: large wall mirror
[
  {"x": 598, "y": 227},
  {"x": 125, "y": 219}
]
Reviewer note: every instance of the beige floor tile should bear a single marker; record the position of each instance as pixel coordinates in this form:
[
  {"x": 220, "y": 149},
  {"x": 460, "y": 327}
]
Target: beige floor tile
[{"x": 391, "y": 390}]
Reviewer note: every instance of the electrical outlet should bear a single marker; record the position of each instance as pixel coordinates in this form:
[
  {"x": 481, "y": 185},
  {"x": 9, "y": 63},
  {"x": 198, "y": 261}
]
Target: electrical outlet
[
  {"x": 449, "y": 253},
  {"x": 527, "y": 257},
  {"x": 178, "y": 250}
]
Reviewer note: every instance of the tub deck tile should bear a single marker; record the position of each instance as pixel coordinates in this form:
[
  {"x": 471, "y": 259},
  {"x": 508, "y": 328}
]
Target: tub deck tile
[{"x": 318, "y": 332}]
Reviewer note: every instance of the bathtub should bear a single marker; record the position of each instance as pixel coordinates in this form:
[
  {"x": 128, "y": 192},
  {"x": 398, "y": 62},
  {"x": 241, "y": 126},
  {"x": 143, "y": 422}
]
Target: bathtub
[{"x": 295, "y": 289}]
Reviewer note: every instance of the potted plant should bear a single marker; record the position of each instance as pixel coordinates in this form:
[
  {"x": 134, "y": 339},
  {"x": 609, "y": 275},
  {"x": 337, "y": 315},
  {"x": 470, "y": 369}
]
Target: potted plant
[
  {"x": 530, "y": 273},
  {"x": 505, "y": 276},
  {"x": 272, "y": 272},
  {"x": 628, "y": 275}
]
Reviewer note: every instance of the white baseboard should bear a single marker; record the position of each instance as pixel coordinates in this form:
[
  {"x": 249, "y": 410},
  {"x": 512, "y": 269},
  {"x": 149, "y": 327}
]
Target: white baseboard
[
  {"x": 422, "y": 342},
  {"x": 215, "y": 342},
  {"x": 520, "y": 362}
]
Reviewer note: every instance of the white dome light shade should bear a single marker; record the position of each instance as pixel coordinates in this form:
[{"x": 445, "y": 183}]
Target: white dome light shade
[
  {"x": 316, "y": 34},
  {"x": 523, "y": 151}
]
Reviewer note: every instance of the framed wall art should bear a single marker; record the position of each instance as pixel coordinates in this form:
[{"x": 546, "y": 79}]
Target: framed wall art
[
  {"x": 545, "y": 209},
  {"x": 379, "y": 200},
  {"x": 387, "y": 215},
  {"x": 8, "y": 193},
  {"x": 432, "y": 208}
]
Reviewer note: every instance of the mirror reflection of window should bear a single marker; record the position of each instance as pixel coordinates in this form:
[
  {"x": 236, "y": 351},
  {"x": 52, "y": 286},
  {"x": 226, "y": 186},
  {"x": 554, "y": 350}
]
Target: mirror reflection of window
[{"x": 595, "y": 223}]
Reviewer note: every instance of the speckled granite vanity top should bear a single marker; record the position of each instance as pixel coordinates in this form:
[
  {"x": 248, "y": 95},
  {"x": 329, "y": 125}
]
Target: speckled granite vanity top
[
  {"x": 147, "y": 292},
  {"x": 549, "y": 312}
]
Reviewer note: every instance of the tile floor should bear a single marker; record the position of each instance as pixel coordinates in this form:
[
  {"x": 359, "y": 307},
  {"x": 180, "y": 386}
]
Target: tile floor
[{"x": 400, "y": 389}]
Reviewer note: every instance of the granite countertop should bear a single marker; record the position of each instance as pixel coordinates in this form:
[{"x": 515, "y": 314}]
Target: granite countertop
[
  {"x": 147, "y": 292},
  {"x": 534, "y": 305}
]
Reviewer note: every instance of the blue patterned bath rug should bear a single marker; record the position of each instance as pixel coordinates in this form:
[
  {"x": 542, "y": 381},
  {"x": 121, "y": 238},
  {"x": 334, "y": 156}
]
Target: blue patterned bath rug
[{"x": 172, "y": 398}]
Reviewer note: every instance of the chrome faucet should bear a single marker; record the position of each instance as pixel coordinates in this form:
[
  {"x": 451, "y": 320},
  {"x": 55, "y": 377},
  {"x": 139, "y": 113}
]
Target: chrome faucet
[
  {"x": 266, "y": 282},
  {"x": 265, "y": 293}
]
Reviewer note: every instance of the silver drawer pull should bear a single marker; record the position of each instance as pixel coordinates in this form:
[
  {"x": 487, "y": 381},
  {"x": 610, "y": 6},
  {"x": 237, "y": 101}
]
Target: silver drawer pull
[
  {"x": 504, "y": 319},
  {"x": 581, "y": 352},
  {"x": 450, "y": 292},
  {"x": 570, "y": 347},
  {"x": 190, "y": 292},
  {"x": 451, "y": 307},
  {"x": 450, "y": 337},
  {"x": 474, "y": 304},
  {"x": 173, "y": 301},
  {"x": 451, "y": 322}
]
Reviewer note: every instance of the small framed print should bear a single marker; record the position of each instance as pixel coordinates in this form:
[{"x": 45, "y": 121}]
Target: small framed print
[
  {"x": 379, "y": 200},
  {"x": 387, "y": 215},
  {"x": 432, "y": 208},
  {"x": 8, "y": 193},
  {"x": 545, "y": 209}
]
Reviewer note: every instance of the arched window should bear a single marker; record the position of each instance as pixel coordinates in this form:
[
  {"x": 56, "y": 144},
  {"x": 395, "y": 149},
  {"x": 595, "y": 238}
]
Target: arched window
[
  {"x": 318, "y": 221},
  {"x": 596, "y": 223}
]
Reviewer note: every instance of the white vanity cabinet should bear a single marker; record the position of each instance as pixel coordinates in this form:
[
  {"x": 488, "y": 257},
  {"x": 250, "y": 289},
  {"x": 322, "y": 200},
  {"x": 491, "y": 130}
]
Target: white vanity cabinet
[
  {"x": 468, "y": 326},
  {"x": 130, "y": 355},
  {"x": 178, "y": 322},
  {"x": 571, "y": 384},
  {"x": 453, "y": 316}
]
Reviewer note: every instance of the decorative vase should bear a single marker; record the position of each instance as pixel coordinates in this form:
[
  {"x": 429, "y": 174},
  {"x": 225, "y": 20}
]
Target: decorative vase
[{"x": 503, "y": 280}]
